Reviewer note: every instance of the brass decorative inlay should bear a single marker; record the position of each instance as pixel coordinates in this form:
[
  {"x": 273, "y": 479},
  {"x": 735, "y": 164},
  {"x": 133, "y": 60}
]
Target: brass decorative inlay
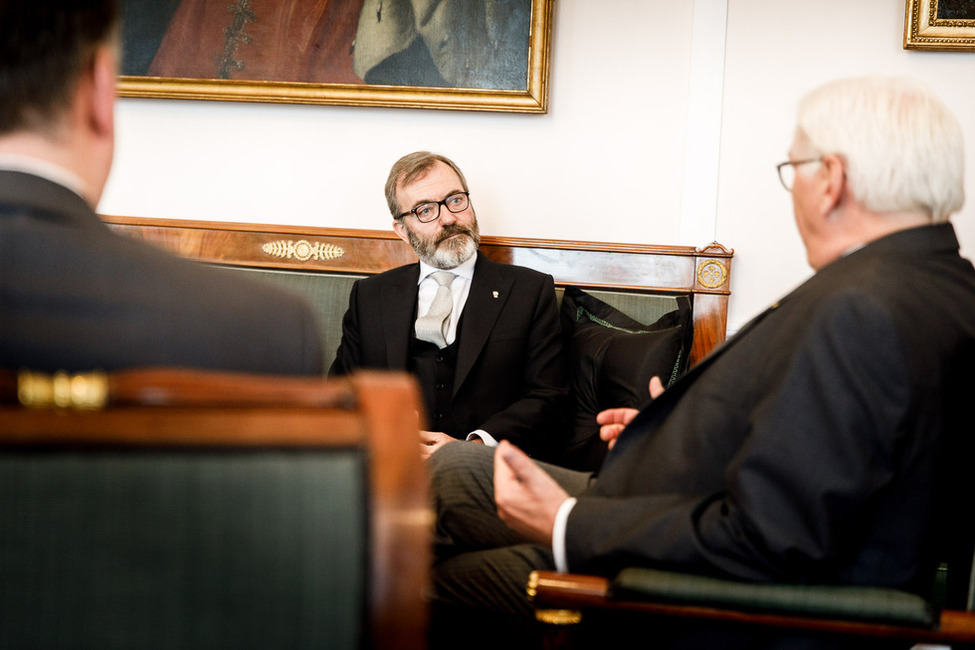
[
  {"x": 532, "y": 586},
  {"x": 84, "y": 391},
  {"x": 551, "y": 616},
  {"x": 558, "y": 616},
  {"x": 711, "y": 274},
  {"x": 303, "y": 250}
]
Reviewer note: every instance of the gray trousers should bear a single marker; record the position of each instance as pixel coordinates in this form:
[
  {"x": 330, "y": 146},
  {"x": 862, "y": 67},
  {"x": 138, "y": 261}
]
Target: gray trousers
[
  {"x": 478, "y": 561},
  {"x": 481, "y": 570}
]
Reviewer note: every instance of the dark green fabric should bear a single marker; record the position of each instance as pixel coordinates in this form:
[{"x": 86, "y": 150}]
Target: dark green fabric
[
  {"x": 328, "y": 294},
  {"x": 641, "y": 307},
  {"x": 847, "y": 603},
  {"x": 195, "y": 549}
]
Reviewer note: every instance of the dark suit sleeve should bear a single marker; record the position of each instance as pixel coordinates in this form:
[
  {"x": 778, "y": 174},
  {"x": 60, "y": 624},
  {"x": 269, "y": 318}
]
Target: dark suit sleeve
[
  {"x": 822, "y": 442},
  {"x": 535, "y": 421},
  {"x": 348, "y": 357}
]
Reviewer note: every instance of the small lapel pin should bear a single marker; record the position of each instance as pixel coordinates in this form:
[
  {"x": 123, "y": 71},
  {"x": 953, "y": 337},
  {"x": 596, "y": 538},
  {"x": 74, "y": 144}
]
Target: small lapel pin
[{"x": 495, "y": 293}]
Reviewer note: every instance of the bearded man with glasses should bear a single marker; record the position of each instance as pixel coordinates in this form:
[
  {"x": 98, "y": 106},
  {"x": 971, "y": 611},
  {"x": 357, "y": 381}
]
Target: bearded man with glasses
[{"x": 481, "y": 337}]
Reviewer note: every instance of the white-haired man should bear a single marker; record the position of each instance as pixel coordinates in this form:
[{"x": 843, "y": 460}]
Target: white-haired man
[{"x": 815, "y": 446}]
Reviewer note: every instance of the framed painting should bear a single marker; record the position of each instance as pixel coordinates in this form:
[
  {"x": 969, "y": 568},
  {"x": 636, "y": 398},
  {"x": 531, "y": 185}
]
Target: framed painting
[
  {"x": 489, "y": 55},
  {"x": 940, "y": 25}
]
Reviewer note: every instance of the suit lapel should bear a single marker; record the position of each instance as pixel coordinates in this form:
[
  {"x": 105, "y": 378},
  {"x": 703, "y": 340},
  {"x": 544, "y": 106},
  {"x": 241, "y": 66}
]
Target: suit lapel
[
  {"x": 489, "y": 292},
  {"x": 399, "y": 314}
]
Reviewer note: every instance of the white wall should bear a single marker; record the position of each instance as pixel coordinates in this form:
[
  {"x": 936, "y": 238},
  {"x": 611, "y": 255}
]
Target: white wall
[
  {"x": 607, "y": 163},
  {"x": 775, "y": 52}
]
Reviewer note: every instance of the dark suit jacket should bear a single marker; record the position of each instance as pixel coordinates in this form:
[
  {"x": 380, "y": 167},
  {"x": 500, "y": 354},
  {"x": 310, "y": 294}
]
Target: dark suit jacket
[
  {"x": 509, "y": 378},
  {"x": 815, "y": 445},
  {"x": 75, "y": 296}
]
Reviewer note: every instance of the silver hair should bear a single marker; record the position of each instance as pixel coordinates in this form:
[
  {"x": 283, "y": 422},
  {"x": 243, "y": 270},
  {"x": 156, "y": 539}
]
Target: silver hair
[{"x": 902, "y": 147}]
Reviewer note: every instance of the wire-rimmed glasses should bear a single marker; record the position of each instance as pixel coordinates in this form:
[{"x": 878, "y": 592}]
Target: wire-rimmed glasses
[{"x": 787, "y": 171}]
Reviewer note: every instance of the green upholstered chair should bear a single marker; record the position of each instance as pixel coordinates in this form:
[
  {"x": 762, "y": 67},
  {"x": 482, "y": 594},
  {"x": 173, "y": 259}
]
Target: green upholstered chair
[
  {"x": 182, "y": 509},
  {"x": 570, "y": 606}
]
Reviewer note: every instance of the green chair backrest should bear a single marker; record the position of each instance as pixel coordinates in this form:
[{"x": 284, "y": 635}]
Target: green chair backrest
[{"x": 190, "y": 548}]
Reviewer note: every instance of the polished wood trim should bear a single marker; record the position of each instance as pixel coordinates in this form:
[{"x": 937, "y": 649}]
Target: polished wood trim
[
  {"x": 194, "y": 388},
  {"x": 402, "y": 521},
  {"x": 184, "y": 427},
  {"x": 176, "y": 387},
  {"x": 551, "y": 590},
  {"x": 710, "y": 324},
  {"x": 585, "y": 264},
  {"x": 605, "y": 264},
  {"x": 369, "y": 410}
]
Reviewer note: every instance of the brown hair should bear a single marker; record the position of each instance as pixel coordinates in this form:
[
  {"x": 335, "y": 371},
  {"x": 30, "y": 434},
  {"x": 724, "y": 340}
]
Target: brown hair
[
  {"x": 409, "y": 168},
  {"x": 44, "y": 46}
]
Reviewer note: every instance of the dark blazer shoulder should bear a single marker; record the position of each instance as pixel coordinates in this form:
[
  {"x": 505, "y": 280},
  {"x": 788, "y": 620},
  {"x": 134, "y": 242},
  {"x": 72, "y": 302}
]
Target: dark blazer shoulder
[{"x": 26, "y": 193}]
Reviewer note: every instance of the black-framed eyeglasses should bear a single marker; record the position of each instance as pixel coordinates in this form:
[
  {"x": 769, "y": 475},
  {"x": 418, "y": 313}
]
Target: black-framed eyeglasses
[
  {"x": 787, "y": 171},
  {"x": 427, "y": 212}
]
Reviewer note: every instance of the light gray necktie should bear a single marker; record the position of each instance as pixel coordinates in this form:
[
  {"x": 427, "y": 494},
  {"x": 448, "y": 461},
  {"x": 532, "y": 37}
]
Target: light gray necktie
[{"x": 432, "y": 326}]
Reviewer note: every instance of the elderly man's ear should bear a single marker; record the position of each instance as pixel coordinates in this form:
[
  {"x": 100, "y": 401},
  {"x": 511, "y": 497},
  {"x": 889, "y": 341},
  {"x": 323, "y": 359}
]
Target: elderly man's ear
[{"x": 832, "y": 177}]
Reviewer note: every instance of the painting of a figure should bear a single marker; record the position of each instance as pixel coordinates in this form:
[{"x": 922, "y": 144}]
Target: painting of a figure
[
  {"x": 475, "y": 44},
  {"x": 956, "y": 9}
]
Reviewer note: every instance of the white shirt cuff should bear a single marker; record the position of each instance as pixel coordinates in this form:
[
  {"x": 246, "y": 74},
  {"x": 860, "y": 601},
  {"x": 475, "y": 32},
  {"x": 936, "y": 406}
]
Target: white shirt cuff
[
  {"x": 483, "y": 435},
  {"x": 558, "y": 534}
]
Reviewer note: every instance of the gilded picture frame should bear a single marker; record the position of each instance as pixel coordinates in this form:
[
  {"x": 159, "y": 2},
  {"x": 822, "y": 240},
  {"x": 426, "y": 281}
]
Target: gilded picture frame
[
  {"x": 494, "y": 57},
  {"x": 946, "y": 25}
]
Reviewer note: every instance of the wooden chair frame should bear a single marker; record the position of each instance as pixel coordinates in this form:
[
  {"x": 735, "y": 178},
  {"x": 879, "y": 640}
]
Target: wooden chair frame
[
  {"x": 175, "y": 407},
  {"x": 562, "y": 600}
]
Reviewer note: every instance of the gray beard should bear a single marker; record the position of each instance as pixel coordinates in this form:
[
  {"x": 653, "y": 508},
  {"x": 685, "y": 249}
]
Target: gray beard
[{"x": 447, "y": 253}]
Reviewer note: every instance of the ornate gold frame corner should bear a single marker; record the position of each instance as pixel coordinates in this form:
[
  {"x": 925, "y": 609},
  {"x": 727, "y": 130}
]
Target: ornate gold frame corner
[
  {"x": 534, "y": 99},
  {"x": 923, "y": 30}
]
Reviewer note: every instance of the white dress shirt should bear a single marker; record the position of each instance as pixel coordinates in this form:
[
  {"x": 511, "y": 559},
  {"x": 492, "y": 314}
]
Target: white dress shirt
[
  {"x": 558, "y": 534},
  {"x": 460, "y": 288}
]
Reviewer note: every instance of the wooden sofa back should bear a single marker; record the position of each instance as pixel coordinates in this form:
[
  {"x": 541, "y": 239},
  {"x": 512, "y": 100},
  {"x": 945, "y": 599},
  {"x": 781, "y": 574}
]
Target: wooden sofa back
[
  {"x": 322, "y": 263},
  {"x": 174, "y": 508}
]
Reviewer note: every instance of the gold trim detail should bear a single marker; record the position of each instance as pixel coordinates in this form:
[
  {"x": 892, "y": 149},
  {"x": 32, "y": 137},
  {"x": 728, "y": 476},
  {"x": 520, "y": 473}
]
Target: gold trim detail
[
  {"x": 84, "y": 391},
  {"x": 711, "y": 274},
  {"x": 923, "y": 30},
  {"x": 302, "y": 250},
  {"x": 558, "y": 616},
  {"x": 551, "y": 616}
]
